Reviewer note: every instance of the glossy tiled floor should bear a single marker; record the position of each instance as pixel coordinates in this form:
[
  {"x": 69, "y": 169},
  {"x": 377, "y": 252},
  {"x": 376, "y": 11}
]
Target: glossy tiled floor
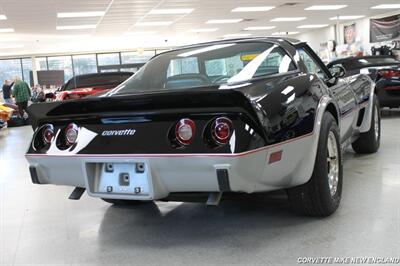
[{"x": 39, "y": 225}]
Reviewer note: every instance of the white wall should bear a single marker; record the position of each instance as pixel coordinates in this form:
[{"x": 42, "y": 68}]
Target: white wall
[{"x": 316, "y": 37}]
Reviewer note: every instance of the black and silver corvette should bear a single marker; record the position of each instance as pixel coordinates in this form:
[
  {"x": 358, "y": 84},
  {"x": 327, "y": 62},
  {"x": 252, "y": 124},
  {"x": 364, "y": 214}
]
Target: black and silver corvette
[{"x": 244, "y": 115}]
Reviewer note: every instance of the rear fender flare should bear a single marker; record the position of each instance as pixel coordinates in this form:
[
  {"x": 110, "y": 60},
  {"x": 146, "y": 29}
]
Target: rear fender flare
[
  {"x": 307, "y": 169},
  {"x": 366, "y": 123}
]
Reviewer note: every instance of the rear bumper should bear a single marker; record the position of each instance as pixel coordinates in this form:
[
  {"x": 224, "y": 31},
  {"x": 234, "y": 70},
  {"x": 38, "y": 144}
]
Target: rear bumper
[{"x": 246, "y": 172}]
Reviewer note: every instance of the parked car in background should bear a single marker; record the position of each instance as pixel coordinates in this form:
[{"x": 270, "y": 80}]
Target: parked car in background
[
  {"x": 89, "y": 84},
  {"x": 234, "y": 116},
  {"x": 384, "y": 70},
  {"x": 5, "y": 114}
]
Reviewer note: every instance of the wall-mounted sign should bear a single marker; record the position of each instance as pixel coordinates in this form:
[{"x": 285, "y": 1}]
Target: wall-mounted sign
[
  {"x": 49, "y": 77},
  {"x": 331, "y": 46},
  {"x": 350, "y": 33},
  {"x": 384, "y": 29}
]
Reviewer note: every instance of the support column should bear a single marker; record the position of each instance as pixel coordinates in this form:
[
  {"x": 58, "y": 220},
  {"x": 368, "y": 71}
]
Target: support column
[
  {"x": 34, "y": 71},
  {"x": 338, "y": 39}
]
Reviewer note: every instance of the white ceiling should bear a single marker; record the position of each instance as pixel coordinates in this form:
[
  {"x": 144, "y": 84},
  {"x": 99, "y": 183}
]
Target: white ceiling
[{"x": 35, "y": 22}]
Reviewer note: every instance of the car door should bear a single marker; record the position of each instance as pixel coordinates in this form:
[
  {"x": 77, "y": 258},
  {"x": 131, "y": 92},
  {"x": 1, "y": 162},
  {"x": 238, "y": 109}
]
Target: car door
[{"x": 340, "y": 91}]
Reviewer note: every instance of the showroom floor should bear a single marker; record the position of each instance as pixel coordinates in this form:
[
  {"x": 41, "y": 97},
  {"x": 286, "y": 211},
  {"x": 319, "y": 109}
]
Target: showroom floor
[{"x": 39, "y": 225}]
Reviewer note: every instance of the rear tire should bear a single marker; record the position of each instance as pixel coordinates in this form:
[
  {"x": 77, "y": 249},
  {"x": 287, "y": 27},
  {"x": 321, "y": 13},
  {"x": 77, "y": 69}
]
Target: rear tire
[
  {"x": 122, "y": 202},
  {"x": 369, "y": 141},
  {"x": 321, "y": 195}
]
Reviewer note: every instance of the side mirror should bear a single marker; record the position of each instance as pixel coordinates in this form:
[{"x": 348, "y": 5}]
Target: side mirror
[{"x": 337, "y": 71}]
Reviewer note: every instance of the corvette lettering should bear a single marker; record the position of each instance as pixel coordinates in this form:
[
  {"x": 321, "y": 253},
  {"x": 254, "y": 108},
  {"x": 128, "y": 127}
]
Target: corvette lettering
[{"x": 123, "y": 132}]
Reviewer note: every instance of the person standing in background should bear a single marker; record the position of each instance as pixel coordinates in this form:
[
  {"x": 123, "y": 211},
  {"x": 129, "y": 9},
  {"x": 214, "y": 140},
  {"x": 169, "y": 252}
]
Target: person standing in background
[
  {"x": 22, "y": 94},
  {"x": 38, "y": 94},
  {"x": 7, "y": 92}
]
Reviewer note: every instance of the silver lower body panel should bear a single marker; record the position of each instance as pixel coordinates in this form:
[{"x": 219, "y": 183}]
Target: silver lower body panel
[{"x": 247, "y": 172}]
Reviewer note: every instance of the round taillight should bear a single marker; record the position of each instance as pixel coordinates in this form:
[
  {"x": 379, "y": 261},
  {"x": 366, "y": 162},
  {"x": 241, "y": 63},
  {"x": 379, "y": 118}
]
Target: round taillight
[
  {"x": 221, "y": 130},
  {"x": 48, "y": 134},
  {"x": 184, "y": 131},
  {"x": 71, "y": 134}
]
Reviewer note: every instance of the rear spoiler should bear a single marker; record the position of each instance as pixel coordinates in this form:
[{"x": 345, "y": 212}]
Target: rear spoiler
[{"x": 145, "y": 103}]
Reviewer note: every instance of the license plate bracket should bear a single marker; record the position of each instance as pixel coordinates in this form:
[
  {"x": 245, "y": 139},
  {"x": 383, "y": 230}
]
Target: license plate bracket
[
  {"x": 130, "y": 180},
  {"x": 126, "y": 178}
]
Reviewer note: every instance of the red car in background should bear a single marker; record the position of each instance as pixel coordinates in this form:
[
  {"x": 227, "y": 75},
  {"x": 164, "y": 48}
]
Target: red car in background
[{"x": 89, "y": 84}]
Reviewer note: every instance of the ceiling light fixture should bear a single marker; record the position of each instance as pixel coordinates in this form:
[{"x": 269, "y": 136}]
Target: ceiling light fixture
[
  {"x": 76, "y": 27},
  {"x": 171, "y": 11},
  {"x": 224, "y": 21},
  {"x": 203, "y": 30},
  {"x": 347, "y": 17},
  {"x": 6, "y": 30},
  {"x": 154, "y": 23},
  {"x": 260, "y": 28},
  {"x": 11, "y": 46},
  {"x": 386, "y": 6},
  {"x": 140, "y": 33},
  {"x": 10, "y": 38},
  {"x": 252, "y": 9},
  {"x": 288, "y": 19},
  {"x": 283, "y": 33},
  {"x": 313, "y": 26},
  {"x": 74, "y": 36},
  {"x": 325, "y": 7},
  {"x": 3, "y": 17},
  {"x": 81, "y": 14}
]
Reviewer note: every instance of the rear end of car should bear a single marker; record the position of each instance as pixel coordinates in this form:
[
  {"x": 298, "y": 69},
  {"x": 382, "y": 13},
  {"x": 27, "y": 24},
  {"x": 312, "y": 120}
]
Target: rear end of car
[
  {"x": 136, "y": 148},
  {"x": 388, "y": 86},
  {"x": 209, "y": 146}
]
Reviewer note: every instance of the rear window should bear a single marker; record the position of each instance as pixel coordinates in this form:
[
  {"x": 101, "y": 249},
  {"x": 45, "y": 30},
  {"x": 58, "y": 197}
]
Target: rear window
[{"x": 209, "y": 65}]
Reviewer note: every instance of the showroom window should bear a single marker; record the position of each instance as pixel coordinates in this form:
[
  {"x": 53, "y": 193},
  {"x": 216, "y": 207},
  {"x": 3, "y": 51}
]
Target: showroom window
[
  {"x": 276, "y": 62},
  {"x": 10, "y": 68},
  {"x": 129, "y": 69},
  {"x": 26, "y": 69},
  {"x": 109, "y": 62},
  {"x": 183, "y": 66},
  {"x": 310, "y": 64},
  {"x": 223, "y": 66},
  {"x": 75, "y": 64},
  {"x": 61, "y": 63},
  {"x": 216, "y": 67},
  {"x": 41, "y": 63},
  {"x": 136, "y": 57},
  {"x": 84, "y": 64},
  {"x": 108, "y": 59}
]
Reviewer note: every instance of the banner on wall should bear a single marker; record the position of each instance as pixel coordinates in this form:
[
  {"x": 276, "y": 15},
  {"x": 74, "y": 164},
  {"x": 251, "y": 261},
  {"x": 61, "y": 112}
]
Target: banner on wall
[
  {"x": 350, "y": 34},
  {"x": 384, "y": 29}
]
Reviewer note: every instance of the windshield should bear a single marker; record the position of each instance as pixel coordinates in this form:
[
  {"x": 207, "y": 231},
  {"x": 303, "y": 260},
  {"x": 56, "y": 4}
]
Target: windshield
[{"x": 208, "y": 65}]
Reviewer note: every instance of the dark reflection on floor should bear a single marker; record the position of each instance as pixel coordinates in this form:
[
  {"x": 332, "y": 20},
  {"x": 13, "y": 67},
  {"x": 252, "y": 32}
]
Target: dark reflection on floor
[
  {"x": 180, "y": 224},
  {"x": 388, "y": 113}
]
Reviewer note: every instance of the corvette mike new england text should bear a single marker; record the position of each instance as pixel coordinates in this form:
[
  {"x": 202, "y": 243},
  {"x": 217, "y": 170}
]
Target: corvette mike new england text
[{"x": 348, "y": 260}]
